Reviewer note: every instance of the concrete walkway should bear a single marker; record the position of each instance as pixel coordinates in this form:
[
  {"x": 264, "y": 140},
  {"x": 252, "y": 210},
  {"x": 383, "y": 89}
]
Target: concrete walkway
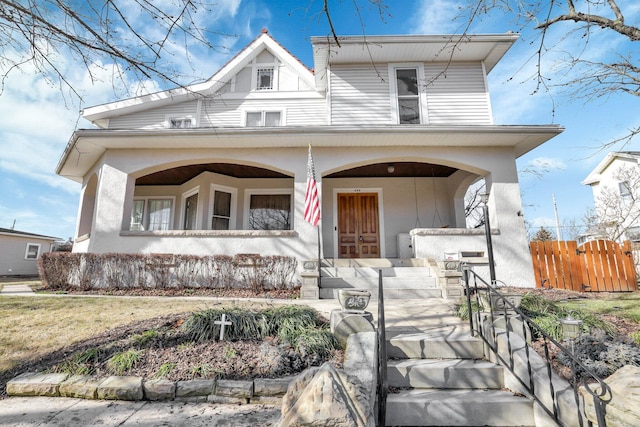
[
  {"x": 16, "y": 290},
  {"x": 401, "y": 316}
]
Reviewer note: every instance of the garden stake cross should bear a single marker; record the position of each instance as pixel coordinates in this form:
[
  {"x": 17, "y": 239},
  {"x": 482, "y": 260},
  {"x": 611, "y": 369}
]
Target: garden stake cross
[{"x": 222, "y": 322}]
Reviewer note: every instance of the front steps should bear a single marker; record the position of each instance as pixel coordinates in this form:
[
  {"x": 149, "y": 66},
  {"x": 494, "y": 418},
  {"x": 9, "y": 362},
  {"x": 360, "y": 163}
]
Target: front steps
[
  {"x": 439, "y": 378},
  {"x": 402, "y": 278}
]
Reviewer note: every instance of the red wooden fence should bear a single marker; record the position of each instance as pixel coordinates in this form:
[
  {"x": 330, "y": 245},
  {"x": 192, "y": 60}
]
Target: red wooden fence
[{"x": 595, "y": 266}]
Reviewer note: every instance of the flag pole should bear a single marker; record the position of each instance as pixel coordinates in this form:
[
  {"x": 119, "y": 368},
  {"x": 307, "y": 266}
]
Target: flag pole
[
  {"x": 312, "y": 203},
  {"x": 319, "y": 258}
]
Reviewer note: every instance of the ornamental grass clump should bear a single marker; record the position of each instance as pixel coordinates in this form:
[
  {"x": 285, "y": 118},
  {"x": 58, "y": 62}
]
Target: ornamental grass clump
[{"x": 123, "y": 361}]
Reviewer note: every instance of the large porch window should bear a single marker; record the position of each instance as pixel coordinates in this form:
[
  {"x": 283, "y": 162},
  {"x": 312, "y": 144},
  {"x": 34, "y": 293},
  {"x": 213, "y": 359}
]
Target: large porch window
[
  {"x": 151, "y": 214},
  {"x": 269, "y": 210}
]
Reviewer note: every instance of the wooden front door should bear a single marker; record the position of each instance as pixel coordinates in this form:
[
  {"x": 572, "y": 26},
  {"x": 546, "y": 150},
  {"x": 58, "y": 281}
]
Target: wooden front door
[{"x": 358, "y": 225}]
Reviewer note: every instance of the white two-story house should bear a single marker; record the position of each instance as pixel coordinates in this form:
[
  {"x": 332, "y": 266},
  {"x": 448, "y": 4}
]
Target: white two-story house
[
  {"x": 400, "y": 127},
  {"x": 615, "y": 183}
]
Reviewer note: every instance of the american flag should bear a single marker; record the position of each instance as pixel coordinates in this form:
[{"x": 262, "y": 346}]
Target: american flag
[{"x": 311, "y": 201}]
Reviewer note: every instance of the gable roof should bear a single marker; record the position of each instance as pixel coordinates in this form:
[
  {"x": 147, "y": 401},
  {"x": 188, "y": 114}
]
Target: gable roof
[
  {"x": 11, "y": 232},
  {"x": 264, "y": 41},
  {"x": 595, "y": 175}
]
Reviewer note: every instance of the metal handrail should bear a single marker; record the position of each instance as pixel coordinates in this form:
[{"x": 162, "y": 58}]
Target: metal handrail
[
  {"x": 589, "y": 379},
  {"x": 382, "y": 388}
]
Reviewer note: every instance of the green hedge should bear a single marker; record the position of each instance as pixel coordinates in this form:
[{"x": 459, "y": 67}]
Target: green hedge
[{"x": 86, "y": 271}]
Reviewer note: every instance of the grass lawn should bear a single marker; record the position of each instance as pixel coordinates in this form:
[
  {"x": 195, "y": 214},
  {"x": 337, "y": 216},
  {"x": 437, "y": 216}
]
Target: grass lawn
[
  {"x": 625, "y": 305},
  {"x": 35, "y": 326}
]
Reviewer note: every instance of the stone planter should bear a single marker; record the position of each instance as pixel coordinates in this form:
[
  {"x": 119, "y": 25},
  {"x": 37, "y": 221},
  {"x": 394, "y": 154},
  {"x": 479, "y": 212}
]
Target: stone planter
[
  {"x": 497, "y": 303},
  {"x": 354, "y": 300}
]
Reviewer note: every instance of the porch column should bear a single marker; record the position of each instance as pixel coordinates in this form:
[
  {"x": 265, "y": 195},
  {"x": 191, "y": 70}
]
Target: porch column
[
  {"x": 511, "y": 247},
  {"x": 113, "y": 207}
]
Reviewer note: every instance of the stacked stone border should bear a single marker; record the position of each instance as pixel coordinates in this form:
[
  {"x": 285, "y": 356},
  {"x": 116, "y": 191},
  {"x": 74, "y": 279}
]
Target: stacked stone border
[{"x": 258, "y": 390}]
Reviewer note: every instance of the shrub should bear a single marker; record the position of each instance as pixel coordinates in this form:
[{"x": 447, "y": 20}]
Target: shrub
[
  {"x": 64, "y": 271},
  {"x": 602, "y": 354},
  {"x": 123, "y": 361}
]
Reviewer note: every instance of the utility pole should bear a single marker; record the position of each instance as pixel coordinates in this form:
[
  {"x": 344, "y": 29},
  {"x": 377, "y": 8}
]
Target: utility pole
[{"x": 555, "y": 210}]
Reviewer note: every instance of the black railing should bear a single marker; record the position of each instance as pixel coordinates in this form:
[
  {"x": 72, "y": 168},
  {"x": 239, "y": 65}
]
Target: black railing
[
  {"x": 479, "y": 293},
  {"x": 382, "y": 386}
]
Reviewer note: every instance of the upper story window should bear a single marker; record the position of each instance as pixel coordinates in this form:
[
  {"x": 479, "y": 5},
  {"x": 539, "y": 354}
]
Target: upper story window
[
  {"x": 264, "y": 78},
  {"x": 407, "y": 97},
  {"x": 263, "y": 118},
  {"x": 180, "y": 122}
]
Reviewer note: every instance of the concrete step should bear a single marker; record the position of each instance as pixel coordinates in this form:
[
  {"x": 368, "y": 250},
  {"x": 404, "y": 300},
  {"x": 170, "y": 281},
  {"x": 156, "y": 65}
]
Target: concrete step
[
  {"x": 374, "y": 262},
  {"x": 402, "y": 293},
  {"x": 372, "y": 282},
  {"x": 373, "y": 272},
  {"x": 448, "y": 373},
  {"x": 452, "y": 342},
  {"x": 433, "y": 407}
]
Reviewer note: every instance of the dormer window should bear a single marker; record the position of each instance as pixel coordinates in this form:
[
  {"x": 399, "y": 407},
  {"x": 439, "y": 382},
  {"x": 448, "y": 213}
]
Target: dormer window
[
  {"x": 180, "y": 122},
  {"x": 264, "y": 79},
  {"x": 263, "y": 118}
]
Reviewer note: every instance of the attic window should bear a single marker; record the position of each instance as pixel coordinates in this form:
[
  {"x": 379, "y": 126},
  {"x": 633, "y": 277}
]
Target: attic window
[
  {"x": 264, "y": 79},
  {"x": 180, "y": 123}
]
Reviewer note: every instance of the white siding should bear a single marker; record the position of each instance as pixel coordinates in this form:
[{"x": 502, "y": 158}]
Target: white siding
[
  {"x": 154, "y": 119},
  {"x": 298, "y": 112},
  {"x": 360, "y": 95},
  {"x": 458, "y": 95}
]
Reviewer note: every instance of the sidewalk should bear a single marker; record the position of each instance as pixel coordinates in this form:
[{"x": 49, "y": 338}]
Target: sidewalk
[{"x": 400, "y": 316}]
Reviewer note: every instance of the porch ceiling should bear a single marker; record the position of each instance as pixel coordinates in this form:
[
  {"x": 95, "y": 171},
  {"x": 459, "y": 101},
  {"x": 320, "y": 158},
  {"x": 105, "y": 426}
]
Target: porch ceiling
[
  {"x": 400, "y": 170},
  {"x": 86, "y": 146},
  {"x": 182, "y": 174}
]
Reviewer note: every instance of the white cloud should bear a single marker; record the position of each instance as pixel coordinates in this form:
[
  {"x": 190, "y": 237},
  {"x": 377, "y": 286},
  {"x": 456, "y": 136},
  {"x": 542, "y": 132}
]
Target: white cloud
[
  {"x": 436, "y": 17},
  {"x": 548, "y": 163}
]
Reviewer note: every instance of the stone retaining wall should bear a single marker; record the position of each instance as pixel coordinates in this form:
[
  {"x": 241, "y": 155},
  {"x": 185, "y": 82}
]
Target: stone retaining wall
[{"x": 258, "y": 390}]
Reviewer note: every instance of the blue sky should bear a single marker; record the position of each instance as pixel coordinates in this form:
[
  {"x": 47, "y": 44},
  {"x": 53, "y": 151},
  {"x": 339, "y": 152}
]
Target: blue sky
[{"x": 37, "y": 119}]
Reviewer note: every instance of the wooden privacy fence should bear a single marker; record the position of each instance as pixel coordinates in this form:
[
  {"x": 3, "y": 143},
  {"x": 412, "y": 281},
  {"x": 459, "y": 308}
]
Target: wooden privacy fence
[{"x": 595, "y": 266}]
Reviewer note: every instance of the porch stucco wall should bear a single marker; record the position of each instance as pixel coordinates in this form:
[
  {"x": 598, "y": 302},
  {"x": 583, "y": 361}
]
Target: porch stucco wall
[
  {"x": 118, "y": 170},
  {"x": 439, "y": 199},
  {"x": 511, "y": 252}
]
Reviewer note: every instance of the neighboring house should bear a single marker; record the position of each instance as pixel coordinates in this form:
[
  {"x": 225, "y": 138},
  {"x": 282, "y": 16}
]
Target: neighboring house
[
  {"x": 20, "y": 252},
  {"x": 615, "y": 183},
  {"x": 400, "y": 127}
]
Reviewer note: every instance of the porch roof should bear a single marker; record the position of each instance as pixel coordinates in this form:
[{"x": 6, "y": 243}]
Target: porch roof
[{"x": 86, "y": 146}]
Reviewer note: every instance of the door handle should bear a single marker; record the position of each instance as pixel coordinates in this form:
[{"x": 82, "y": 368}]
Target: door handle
[{"x": 360, "y": 238}]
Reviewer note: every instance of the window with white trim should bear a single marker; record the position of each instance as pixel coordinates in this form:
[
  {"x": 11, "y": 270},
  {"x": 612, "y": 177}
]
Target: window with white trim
[
  {"x": 264, "y": 78},
  {"x": 223, "y": 207},
  {"x": 32, "y": 251},
  {"x": 190, "y": 203},
  {"x": 269, "y": 210},
  {"x": 625, "y": 191},
  {"x": 221, "y": 216},
  {"x": 151, "y": 214},
  {"x": 408, "y": 98},
  {"x": 263, "y": 118}
]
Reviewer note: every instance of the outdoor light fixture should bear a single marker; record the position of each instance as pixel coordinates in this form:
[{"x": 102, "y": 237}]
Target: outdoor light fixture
[
  {"x": 571, "y": 328},
  {"x": 484, "y": 198},
  {"x": 391, "y": 168}
]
